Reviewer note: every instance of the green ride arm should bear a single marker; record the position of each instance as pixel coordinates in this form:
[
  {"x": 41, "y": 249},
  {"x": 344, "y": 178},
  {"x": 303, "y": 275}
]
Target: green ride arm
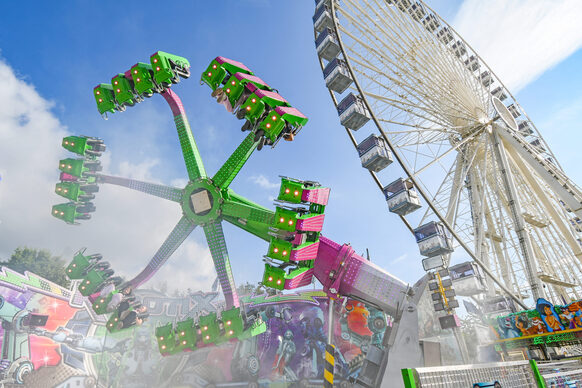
[
  {"x": 232, "y": 166},
  {"x": 192, "y": 157}
]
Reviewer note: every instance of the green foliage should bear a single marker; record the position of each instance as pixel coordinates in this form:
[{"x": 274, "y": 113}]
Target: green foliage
[{"x": 40, "y": 262}]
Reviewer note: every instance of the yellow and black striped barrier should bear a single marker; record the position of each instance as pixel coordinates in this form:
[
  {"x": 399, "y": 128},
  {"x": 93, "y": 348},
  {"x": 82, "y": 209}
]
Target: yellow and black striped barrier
[{"x": 329, "y": 364}]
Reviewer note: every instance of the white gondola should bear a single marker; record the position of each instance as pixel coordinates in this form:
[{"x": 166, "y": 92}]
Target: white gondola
[
  {"x": 459, "y": 48},
  {"x": 472, "y": 63},
  {"x": 577, "y": 224},
  {"x": 401, "y": 197},
  {"x": 322, "y": 18},
  {"x": 524, "y": 128},
  {"x": 467, "y": 279},
  {"x": 498, "y": 306},
  {"x": 486, "y": 78},
  {"x": 352, "y": 112},
  {"x": 433, "y": 239},
  {"x": 417, "y": 11},
  {"x": 431, "y": 23},
  {"x": 514, "y": 111},
  {"x": 337, "y": 76},
  {"x": 445, "y": 35},
  {"x": 319, "y": 3},
  {"x": 499, "y": 93},
  {"x": 374, "y": 153},
  {"x": 403, "y": 5},
  {"x": 327, "y": 44},
  {"x": 538, "y": 145}
]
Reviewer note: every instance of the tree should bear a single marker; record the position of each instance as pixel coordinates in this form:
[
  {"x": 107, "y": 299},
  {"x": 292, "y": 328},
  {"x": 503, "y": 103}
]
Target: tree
[{"x": 40, "y": 262}]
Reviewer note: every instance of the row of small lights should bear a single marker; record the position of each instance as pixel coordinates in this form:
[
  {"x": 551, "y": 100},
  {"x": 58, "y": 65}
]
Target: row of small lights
[{"x": 118, "y": 90}]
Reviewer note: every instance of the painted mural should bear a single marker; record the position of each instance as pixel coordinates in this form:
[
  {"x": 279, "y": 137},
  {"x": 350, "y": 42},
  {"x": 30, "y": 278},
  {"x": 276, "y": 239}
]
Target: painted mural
[
  {"x": 49, "y": 338},
  {"x": 545, "y": 318}
]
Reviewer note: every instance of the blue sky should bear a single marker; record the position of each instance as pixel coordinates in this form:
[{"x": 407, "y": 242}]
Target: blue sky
[{"x": 53, "y": 55}]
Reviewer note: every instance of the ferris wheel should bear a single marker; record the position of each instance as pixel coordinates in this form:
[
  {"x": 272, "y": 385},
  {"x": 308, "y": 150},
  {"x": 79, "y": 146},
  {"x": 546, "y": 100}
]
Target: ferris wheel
[{"x": 399, "y": 73}]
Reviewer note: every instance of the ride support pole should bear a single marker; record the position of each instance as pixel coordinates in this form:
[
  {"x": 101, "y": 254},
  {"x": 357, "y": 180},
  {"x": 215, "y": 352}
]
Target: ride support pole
[{"x": 329, "y": 349}]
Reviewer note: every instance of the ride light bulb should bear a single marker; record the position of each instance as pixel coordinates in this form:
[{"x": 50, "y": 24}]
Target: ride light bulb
[
  {"x": 74, "y": 265},
  {"x": 279, "y": 281},
  {"x": 138, "y": 80},
  {"x": 254, "y": 100},
  {"x": 287, "y": 191},
  {"x": 161, "y": 338},
  {"x": 276, "y": 250},
  {"x": 268, "y": 125},
  {"x": 100, "y": 100},
  {"x": 66, "y": 142},
  {"x": 115, "y": 82},
  {"x": 155, "y": 60},
  {"x": 163, "y": 346},
  {"x": 209, "y": 74},
  {"x": 72, "y": 144},
  {"x": 270, "y": 278},
  {"x": 183, "y": 342},
  {"x": 284, "y": 253},
  {"x": 207, "y": 337},
  {"x": 231, "y": 332},
  {"x": 281, "y": 219},
  {"x": 182, "y": 333},
  {"x": 248, "y": 108},
  {"x": 205, "y": 328},
  {"x": 232, "y": 83},
  {"x": 296, "y": 193},
  {"x": 70, "y": 270},
  {"x": 228, "y": 323},
  {"x": 157, "y": 68},
  {"x": 97, "y": 306},
  {"x": 290, "y": 222},
  {"x": 62, "y": 213},
  {"x": 228, "y": 90},
  {"x": 58, "y": 189},
  {"x": 135, "y": 72},
  {"x": 118, "y": 90},
  {"x": 214, "y": 66},
  {"x": 274, "y": 118},
  {"x": 97, "y": 92}
]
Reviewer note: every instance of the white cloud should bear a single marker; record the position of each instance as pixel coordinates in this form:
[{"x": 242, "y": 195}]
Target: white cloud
[
  {"x": 399, "y": 259},
  {"x": 127, "y": 228},
  {"x": 264, "y": 182},
  {"x": 521, "y": 39}
]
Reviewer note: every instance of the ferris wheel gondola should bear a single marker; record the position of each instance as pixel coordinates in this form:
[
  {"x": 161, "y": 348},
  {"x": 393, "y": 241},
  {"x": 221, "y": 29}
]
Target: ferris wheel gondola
[{"x": 397, "y": 69}]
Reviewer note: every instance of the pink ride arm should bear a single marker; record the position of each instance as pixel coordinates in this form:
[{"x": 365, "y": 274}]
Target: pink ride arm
[{"x": 345, "y": 273}]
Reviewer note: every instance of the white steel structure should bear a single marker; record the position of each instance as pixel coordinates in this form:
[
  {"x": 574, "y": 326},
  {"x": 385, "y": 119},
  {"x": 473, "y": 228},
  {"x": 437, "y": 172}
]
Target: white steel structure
[{"x": 468, "y": 147}]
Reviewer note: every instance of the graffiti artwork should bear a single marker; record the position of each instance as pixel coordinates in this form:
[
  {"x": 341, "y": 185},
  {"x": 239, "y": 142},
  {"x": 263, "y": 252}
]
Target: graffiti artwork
[
  {"x": 545, "y": 318},
  {"x": 48, "y": 334}
]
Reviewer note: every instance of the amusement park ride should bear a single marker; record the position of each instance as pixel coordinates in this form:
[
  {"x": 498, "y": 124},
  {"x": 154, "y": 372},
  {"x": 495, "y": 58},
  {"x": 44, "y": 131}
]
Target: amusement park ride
[
  {"x": 296, "y": 253},
  {"x": 467, "y": 147}
]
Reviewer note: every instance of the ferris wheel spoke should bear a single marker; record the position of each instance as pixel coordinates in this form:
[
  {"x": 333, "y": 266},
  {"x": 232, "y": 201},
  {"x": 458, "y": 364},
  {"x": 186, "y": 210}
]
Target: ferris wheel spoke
[
  {"x": 438, "y": 72},
  {"x": 424, "y": 95},
  {"x": 566, "y": 233}
]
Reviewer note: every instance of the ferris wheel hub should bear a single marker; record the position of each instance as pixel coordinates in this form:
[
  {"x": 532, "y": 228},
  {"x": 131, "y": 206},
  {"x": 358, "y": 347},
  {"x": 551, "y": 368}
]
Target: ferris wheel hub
[{"x": 504, "y": 113}]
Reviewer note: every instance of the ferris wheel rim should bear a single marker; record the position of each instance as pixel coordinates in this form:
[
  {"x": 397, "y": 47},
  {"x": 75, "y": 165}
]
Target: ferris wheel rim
[{"x": 396, "y": 151}]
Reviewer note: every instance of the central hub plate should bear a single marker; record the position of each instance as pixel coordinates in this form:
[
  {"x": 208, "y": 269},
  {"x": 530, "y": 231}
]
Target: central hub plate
[{"x": 201, "y": 201}]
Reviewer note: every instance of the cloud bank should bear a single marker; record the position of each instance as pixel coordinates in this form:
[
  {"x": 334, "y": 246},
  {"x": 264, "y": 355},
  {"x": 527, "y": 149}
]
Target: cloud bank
[{"x": 521, "y": 39}]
